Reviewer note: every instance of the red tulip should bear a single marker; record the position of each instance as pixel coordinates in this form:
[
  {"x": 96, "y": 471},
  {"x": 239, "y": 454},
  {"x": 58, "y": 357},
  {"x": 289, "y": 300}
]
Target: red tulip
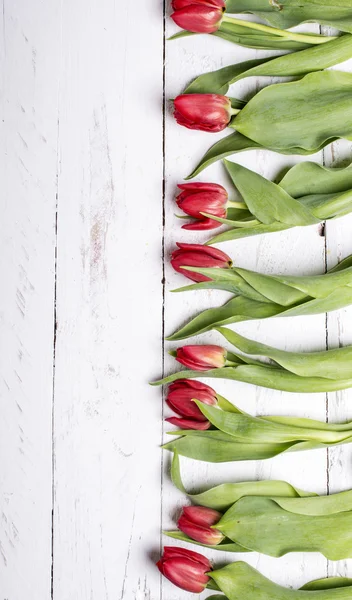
[
  {"x": 178, "y": 4},
  {"x": 198, "y": 18},
  {"x": 201, "y": 358},
  {"x": 186, "y": 569},
  {"x": 197, "y": 255},
  {"x": 205, "y": 112},
  {"x": 197, "y": 198},
  {"x": 197, "y": 521},
  {"x": 182, "y": 423},
  {"x": 181, "y": 396}
]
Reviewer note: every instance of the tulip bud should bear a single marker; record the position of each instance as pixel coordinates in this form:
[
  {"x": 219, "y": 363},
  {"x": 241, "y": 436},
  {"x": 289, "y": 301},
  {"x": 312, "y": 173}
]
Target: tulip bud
[
  {"x": 185, "y": 568},
  {"x": 197, "y": 198},
  {"x": 197, "y": 522},
  {"x": 178, "y": 4},
  {"x": 197, "y": 255},
  {"x": 198, "y": 17},
  {"x": 181, "y": 396},
  {"x": 205, "y": 112},
  {"x": 182, "y": 423},
  {"x": 201, "y": 358}
]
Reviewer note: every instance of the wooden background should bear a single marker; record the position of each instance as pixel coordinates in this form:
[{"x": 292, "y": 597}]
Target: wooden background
[{"x": 90, "y": 159}]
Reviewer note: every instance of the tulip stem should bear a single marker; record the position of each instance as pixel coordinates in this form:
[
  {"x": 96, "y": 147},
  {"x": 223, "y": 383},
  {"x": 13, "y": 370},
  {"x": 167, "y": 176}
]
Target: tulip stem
[
  {"x": 241, "y": 205},
  {"x": 231, "y": 363},
  {"x": 297, "y": 37}
]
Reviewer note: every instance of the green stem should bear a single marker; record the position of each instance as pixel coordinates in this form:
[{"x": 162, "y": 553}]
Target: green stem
[
  {"x": 297, "y": 37},
  {"x": 241, "y": 205}
]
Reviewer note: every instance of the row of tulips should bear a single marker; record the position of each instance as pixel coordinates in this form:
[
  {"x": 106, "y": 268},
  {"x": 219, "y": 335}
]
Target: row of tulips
[
  {"x": 269, "y": 517},
  {"x": 193, "y": 572},
  {"x": 205, "y": 16}
]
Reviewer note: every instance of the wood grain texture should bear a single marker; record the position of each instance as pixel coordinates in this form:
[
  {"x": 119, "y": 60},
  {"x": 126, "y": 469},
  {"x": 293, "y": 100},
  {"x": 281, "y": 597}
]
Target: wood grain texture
[
  {"x": 86, "y": 156},
  {"x": 28, "y": 166},
  {"x": 109, "y": 303}
]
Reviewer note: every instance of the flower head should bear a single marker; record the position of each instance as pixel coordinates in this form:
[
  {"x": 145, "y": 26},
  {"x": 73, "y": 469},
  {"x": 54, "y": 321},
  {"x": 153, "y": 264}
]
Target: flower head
[
  {"x": 185, "y": 568},
  {"x": 197, "y": 255},
  {"x": 198, "y": 16},
  {"x": 201, "y": 358},
  {"x": 197, "y": 198},
  {"x": 197, "y": 522},
  {"x": 205, "y": 112},
  {"x": 181, "y": 396}
]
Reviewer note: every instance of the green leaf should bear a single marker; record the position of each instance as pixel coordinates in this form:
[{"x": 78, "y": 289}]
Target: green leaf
[
  {"x": 248, "y": 429},
  {"x": 217, "y": 447},
  {"x": 221, "y": 497},
  {"x": 226, "y": 147},
  {"x": 295, "y": 64},
  {"x": 327, "y": 584},
  {"x": 225, "y": 546},
  {"x": 218, "y": 82},
  {"x": 288, "y": 13},
  {"x": 264, "y": 296},
  {"x": 262, "y": 525},
  {"x": 267, "y": 376},
  {"x": 300, "y": 117},
  {"x": 249, "y": 36},
  {"x": 308, "y": 178},
  {"x": 304, "y": 114},
  {"x": 304, "y": 184},
  {"x": 239, "y": 580},
  {"x": 236, "y": 310},
  {"x": 238, "y": 234},
  {"x": 331, "y": 364},
  {"x": 267, "y": 201}
]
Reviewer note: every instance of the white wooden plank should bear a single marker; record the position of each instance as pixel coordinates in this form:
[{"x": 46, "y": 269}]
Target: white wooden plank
[
  {"x": 338, "y": 244},
  {"x": 28, "y": 165},
  {"x": 109, "y": 303},
  {"x": 296, "y": 251}
]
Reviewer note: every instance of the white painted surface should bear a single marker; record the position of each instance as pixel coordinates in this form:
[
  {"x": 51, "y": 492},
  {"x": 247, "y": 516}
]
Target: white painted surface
[{"x": 80, "y": 428}]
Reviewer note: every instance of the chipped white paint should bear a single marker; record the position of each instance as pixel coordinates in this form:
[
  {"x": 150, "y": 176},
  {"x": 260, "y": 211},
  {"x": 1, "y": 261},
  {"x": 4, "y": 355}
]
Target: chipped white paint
[{"x": 80, "y": 427}]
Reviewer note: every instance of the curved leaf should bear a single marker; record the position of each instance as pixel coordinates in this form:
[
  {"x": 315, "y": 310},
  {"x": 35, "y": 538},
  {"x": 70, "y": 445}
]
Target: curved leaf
[
  {"x": 248, "y": 429},
  {"x": 300, "y": 117},
  {"x": 265, "y": 376},
  {"x": 249, "y": 36},
  {"x": 222, "y": 496},
  {"x": 305, "y": 113},
  {"x": 261, "y": 525},
  {"x": 331, "y": 364},
  {"x": 239, "y": 580},
  {"x": 224, "y": 546},
  {"x": 267, "y": 201},
  {"x": 288, "y": 13},
  {"x": 295, "y": 64},
  {"x": 233, "y": 143}
]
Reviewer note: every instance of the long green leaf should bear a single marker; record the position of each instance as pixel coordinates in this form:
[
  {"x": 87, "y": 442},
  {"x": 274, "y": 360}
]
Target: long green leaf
[
  {"x": 304, "y": 114},
  {"x": 295, "y": 64},
  {"x": 249, "y": 36},
  {"x": 315, "y": 193},
  {"x": 222, "y": 496},
  {"x": 330, "y": 364},
  {"x": 274, "y": 378},
  {"x": 264, "y": 296},
  {"x": 248, "y": 429},
  {"x": 225, "y": 546},
  {"x": 300, "y": 117},
  {"x": 262, "y": 525},
  {"x": 288, "y": 13},
  {"x": 239, "y": 580}
]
